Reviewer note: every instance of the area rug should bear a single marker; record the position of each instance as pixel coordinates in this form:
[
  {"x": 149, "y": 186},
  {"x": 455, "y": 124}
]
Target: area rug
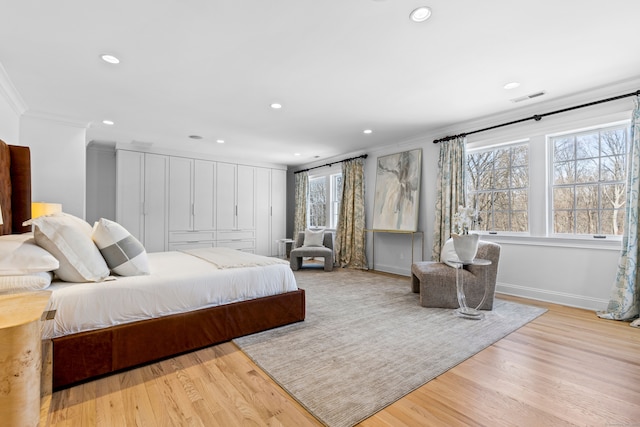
[{"x": 366, "y": 342}]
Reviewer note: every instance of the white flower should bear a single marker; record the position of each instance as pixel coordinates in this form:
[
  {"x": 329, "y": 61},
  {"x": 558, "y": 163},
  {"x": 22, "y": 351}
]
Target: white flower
[{"x": 464, "y": 219}]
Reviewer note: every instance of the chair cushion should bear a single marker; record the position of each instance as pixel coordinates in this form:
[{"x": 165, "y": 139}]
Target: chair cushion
[
  {"x": 313, "y": 237},
  {"x": 311, "y": 251}
]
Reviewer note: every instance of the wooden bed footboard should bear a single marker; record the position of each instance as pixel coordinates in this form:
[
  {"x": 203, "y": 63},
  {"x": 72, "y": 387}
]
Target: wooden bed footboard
[{"x": 87, "y": 355}]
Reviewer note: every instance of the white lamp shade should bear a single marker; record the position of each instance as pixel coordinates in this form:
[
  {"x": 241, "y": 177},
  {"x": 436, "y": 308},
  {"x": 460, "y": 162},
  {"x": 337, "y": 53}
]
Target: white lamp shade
[{"x": 42, "y": 208}]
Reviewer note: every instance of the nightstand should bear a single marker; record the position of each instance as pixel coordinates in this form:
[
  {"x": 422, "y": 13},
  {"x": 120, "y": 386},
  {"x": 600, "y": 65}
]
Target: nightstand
[{"x": 21, "y": 357}]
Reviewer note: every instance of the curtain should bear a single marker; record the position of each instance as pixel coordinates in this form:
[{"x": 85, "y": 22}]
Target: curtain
[
  {"x": 300, "y": 212},
  {"x": 625, "y": 294},
  {"x": 350, "y": 248},
  {"x": 451, "y": 171}
]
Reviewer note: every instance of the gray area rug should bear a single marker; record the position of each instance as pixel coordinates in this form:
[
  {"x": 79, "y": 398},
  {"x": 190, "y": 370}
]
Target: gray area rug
[{"x": 366, "y": 342}]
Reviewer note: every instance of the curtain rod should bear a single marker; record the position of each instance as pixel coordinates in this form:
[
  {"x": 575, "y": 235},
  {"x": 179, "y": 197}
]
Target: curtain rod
[
  {"x": 364, "y": 156},
  {"x": 537, "y": 117}
]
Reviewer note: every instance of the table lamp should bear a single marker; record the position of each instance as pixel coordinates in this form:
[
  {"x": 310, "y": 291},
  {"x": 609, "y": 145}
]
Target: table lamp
[{"x": 43, "y": 208}]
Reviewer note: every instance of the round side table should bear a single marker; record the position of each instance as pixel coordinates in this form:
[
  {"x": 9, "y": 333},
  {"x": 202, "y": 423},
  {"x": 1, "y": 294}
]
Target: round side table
[{"x": 464, "y": 310}]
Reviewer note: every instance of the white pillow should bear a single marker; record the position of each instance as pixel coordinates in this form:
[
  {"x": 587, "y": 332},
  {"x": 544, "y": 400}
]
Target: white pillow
[
  {"x": 313, "y": 237},
  {"x": 27, "y": 282},
  {"x": 68, "y": 238},
  {"x": 19, "y": 255},
  {"x": 123, "y": 253},
  {"x": 448, "y": 253}
]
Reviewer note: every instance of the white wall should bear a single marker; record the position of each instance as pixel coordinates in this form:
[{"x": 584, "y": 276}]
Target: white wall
[
  {"x": 11, "y": 107},
  {"x": 9, "y": 123},
  {"x": 57, "y": 161},
  {"x": 57, "y": 149},
  {"x": 569, "y": 272}
]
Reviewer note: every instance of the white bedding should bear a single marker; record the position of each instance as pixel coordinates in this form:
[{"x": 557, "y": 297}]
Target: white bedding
[{"x": 178, "y": 283}]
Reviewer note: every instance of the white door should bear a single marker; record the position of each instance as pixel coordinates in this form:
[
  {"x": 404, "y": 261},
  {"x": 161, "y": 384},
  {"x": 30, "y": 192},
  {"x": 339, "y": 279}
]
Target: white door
[
  {"x": 226, "y": 196},
  {"x": 156, "y": 172},
  {"x": 204, "y": 195},
  {"x": 278, "y": 207},
  {"x": 180, "y": 194},
  {"x": 246, "y": 197},
  {"x": 263, "y": 211},
  {"x": 130, "y": 192}
]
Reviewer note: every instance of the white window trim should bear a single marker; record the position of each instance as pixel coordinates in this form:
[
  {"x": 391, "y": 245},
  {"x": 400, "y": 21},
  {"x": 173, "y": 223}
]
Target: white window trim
[
  {"x": 326, "y": 172},
  {"x": 577, "y": 239},
  {"x": 491, "y": 147},
  {"x": 538, "y": 178}
]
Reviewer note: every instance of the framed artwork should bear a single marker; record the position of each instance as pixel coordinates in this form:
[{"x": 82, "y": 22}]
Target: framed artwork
[{"x": 395, "y": 203}]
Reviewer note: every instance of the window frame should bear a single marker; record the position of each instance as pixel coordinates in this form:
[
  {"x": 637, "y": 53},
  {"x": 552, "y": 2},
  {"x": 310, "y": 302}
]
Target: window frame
[
  {"x": 550, "y": 185},
  {"x": 468, "y": 192},
  {"x": 328, "y": 175}
]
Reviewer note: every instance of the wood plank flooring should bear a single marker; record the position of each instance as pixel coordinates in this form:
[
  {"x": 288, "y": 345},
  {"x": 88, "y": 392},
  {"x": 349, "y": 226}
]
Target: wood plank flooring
[{"x": 566, "y": 368}]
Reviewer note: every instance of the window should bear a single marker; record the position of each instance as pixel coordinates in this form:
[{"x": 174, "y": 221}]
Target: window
[
  {"x": 325, "y": 194},
  {"x": 498, "y": 187},
  {"x": 588, "y": 181}
]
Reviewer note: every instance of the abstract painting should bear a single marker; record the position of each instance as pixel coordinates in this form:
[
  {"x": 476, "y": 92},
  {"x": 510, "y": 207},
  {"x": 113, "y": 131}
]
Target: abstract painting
[{"x": 395, "y": 204}]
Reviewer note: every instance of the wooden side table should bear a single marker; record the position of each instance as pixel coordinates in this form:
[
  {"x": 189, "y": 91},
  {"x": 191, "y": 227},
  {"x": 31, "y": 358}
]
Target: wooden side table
[{"x": 21, "y": 357}]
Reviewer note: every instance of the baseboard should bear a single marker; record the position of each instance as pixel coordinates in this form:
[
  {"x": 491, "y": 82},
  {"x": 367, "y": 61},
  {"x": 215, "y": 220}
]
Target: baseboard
[
  {"x": 393, "y": 269},
  {"x": 563, "y": 298}
]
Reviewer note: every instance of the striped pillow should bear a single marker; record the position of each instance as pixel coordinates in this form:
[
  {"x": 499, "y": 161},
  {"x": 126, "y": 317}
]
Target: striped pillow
[{"x": 123, "y": 253}]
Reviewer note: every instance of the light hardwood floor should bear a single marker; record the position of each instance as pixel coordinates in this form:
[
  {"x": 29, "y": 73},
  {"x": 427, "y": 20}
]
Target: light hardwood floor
[{"x": 567, "y": 367}]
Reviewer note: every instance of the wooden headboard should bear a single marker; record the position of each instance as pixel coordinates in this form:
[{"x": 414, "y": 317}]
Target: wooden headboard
[{"x": 15, "y": 188}]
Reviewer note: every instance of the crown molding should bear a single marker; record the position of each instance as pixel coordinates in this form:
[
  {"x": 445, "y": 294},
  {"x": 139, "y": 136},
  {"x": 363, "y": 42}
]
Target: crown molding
[
  {"x": 60, "y": 119},
  {"x": 10, "y": 93}
]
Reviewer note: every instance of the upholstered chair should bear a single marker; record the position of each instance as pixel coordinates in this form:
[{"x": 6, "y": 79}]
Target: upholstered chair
[
  {"x": 436, "y": 281},
  {"x": 301, "y": 251}
]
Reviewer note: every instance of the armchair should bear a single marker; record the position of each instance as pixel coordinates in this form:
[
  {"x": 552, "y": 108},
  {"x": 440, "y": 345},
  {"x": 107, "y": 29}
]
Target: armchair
[
  {"x": 436, "y": 281},
  {"x": 326, "y": 251}
]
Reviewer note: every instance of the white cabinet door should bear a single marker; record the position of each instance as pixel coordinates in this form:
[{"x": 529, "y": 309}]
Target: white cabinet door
[
  {"x": 246, "y": 198},
  {"x": 204, "y": 200},
  {"x": 263, "y": 211},
  {"x": 180, "y": 194},
  {"x": 226, "y": 196},
  {"x": 278, "y": 208},
  {"x": 130, "y": 192},
  {"x": 156, "y": 174},
  {"x": 271, "y": 186}
]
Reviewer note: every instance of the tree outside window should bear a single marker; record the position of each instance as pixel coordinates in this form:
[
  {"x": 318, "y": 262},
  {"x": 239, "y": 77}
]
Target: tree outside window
[
  {"x": 317, "y": 202},
  {"x": 498, "y": 187},
  {"x": 324, "y": 196},
  {"x": 589, "y": 181}
]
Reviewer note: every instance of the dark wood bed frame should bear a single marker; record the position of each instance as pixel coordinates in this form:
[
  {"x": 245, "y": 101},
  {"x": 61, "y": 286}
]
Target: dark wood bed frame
[{"x": 88, "y": 355}]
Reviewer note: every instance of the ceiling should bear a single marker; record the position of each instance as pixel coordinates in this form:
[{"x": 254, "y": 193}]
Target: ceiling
[{"x": 213, "y": 67}]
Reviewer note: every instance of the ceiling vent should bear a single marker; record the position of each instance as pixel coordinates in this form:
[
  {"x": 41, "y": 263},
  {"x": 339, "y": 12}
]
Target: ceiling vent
[{"x": 527, "y": 97}]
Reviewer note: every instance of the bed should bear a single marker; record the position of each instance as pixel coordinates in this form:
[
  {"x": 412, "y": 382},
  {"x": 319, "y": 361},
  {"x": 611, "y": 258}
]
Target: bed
[{"x": 125, "y": 338}]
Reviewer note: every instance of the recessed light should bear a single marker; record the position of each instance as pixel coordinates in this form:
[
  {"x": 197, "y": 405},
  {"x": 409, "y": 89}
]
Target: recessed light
[
  {"x": 276, "y": 106},
  {"x": 220, "y": 141},
  {"x": 296, "y": 154},
  {"x": 108, "y": 122},
  {"x": 420, "y": 14},
  {"x": 195, "y": 137},
  {"x": 367, "y": 131},
  {"x": 110, "y": 59},
  {"x": 511, "y": 85}
]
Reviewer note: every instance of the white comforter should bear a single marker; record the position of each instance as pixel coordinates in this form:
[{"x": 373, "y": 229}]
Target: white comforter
[{"x": 178, "y": 283}]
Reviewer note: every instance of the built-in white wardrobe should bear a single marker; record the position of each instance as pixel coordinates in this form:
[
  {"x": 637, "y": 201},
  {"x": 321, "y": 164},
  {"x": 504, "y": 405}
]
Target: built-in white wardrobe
[
  {"x": 142, "y": 200},
  {"x": 191, "y": 203},
  {"x": 174, "y": 202}
]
